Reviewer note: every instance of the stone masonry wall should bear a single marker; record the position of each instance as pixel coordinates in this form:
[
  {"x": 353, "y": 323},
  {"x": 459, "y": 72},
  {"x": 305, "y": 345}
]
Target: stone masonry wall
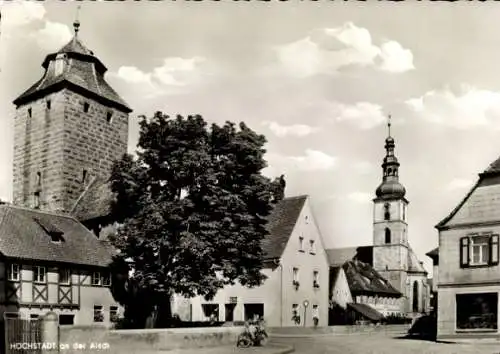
[
  {"x": 60, "y": 143},
  {"x": 38, "y": 147}
]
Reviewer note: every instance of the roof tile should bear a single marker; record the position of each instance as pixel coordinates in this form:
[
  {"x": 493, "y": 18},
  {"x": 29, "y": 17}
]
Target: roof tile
[
  {"x": 362, "y": 278},
  {"x": 24, "y": 237}
]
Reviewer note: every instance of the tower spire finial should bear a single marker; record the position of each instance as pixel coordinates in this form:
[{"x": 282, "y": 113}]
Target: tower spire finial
[
  {"x": 76, "y": 24},
  {"x": 389, "y": 125}
]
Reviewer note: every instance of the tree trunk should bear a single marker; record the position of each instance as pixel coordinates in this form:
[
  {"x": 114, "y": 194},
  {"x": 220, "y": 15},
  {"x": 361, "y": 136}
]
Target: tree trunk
[{"x": 164, "y": 313}]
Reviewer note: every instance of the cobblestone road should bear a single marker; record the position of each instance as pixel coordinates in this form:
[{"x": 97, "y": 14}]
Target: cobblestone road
[{"x": 380, "y": 344}]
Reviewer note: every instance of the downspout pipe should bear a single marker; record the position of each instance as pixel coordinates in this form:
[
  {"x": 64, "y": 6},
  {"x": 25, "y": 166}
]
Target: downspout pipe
[{"x": 280, "y": 266}]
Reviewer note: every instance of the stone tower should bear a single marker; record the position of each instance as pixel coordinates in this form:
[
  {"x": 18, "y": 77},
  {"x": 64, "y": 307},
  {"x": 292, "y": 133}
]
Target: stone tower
[
  {"x": 70, "y": 127},
  {"x": 390, "y": 237}
]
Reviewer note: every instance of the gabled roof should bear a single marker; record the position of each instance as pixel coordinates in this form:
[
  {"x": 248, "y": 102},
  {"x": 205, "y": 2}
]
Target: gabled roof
[
  {"x": 489, "y": 178},
  {"x": 22, "y": 236},
  {"x": 366, "y": 311},
  {"x": 95, "y": 201},
  {"x": 338, "y": 256},
  {"x": 433, "y": 253},
  {"x": 363, "y": 279},
  {"x": 414, "y": 265},
  {"x": 280, "y": 225}
]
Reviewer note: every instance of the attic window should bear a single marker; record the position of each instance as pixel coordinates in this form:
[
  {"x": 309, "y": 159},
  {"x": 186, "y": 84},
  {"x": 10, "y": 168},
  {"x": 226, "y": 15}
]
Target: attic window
[
  {"x": 86, "y": 107},
  {"x": 29, "y": 112},
  {"x": 109, "y": 117},
  {"x": 55, "y": 234}
]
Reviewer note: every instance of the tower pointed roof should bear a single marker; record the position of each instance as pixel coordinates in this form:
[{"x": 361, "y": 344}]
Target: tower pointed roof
[
  {"x": 390, "y": 188},
  {"x": 82, "y": 71}
]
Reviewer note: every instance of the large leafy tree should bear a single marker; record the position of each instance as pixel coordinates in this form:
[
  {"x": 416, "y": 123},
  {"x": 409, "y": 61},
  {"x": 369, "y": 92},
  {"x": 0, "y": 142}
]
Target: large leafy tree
[{"x": 192, "y": 209}]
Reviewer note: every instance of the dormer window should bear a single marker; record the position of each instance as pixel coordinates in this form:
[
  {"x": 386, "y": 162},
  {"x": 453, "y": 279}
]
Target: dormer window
[
  {"x": 51, "y": 230},
  {"x": 86, "y": 107},
  {"x": 84, "y": 176},
  {"x": 38, "y": 178},
  {"x": 59, "y": 64},
  {"x": 30, "y": 112},
  {"x": 109, "y": 117}
]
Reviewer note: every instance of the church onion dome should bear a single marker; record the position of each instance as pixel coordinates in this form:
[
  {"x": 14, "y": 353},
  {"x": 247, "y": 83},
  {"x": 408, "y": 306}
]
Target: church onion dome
[
  {"x": 390, "y": 190},
  {"x": 76, "y": 67}
]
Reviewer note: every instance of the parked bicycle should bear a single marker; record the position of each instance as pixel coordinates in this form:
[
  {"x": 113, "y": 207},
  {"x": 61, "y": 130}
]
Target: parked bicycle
[{"x": 254, "y": 334}]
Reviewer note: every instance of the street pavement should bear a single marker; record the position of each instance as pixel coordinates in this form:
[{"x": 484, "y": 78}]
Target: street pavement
[{"x": 380, "y": 343}]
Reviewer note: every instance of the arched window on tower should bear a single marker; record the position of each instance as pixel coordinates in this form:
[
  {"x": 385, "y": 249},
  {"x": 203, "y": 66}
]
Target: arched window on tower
[
  {"x": 387, "y": 212},
  {"x": 387, "y": 235},
  {"x": 415, "y": 296}
]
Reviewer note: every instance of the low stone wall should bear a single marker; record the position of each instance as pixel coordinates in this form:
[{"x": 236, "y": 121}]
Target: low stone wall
[
  {"x": 122, "y": 341},
  {"x": 389, "y": 329}
]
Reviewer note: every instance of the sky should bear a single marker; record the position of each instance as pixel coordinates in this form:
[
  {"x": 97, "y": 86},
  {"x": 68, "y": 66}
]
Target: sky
[{"x": 317, "y": 78}]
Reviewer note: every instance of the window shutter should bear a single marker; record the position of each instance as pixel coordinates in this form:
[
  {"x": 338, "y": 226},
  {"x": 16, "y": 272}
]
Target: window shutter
[
  {"x": 494, "y": 250},
  {"x": 464, "y": 252}
]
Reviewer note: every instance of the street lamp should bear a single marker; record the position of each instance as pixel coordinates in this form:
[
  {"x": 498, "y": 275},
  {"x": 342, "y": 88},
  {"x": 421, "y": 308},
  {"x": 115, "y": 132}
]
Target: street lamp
[{"x": 305, "y": 303}]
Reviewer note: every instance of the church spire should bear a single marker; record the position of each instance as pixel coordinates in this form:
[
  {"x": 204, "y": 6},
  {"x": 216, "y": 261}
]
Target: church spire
[
  {"x": 390, "y": 187},
  {"x": 389, "y": 125},
  {"x": 76, "y": 24}
]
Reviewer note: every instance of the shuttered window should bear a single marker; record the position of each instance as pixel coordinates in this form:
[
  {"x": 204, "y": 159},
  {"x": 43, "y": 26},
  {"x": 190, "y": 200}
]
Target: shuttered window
[{"x": 479, "y": 250}]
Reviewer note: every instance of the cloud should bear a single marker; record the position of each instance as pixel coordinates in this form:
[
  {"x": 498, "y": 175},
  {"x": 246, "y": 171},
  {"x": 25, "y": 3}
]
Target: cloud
[
  {"x": 20, "y": 13},
  {"x": 458, "y": 183},
  {"x": 360, "y": 197},
  {"x": 364, "y": 115},
  {"x": 328, "y": 50},
  {"x": 395, "y": 58},
  {"x": 173, "y": 76},
  {"x": 363, "y": 167},
  {"x": 461, "y": 108},
  {"x": 298, "y": 130},
  {"x": 312, "y": 160},
  {"x": 53, "y": 35}
]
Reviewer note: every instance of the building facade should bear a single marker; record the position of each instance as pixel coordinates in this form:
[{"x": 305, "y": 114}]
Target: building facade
[
  {"x": 358, "y": 292},
  {"x": 434, "y": 255},
  {"x": 70, "y": 126},
  {"x": 52, "y": 262},
  {"x": 296, "y": 290},
  {"x": 469, "y": 271},
  {"x": 391, "y": 255}
]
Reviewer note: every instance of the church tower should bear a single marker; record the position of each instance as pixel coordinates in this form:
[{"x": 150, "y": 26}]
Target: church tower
[
  {"x": 390, "y": 238},
  {"x": 70, "y": 127}
]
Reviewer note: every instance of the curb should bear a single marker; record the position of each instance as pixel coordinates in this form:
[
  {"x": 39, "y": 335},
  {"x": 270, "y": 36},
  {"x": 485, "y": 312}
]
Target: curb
[
  {"x": 328, "y": 334},
  {"x": 282, "y": 349}
]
